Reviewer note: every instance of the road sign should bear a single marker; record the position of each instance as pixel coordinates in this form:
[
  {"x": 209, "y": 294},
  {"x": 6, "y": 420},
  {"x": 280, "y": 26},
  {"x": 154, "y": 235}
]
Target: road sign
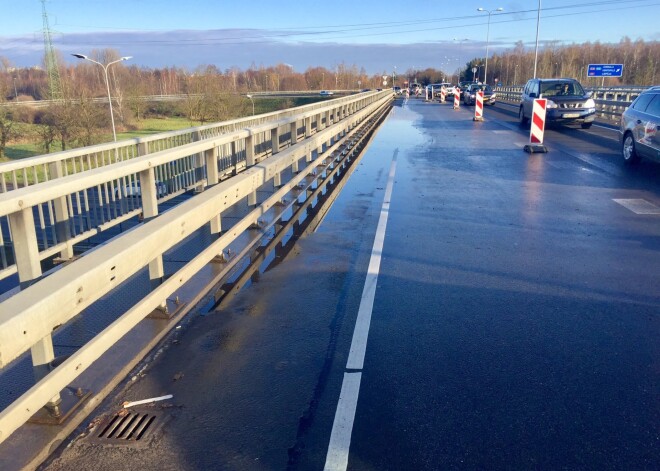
[{"x": 605, "y": 70}]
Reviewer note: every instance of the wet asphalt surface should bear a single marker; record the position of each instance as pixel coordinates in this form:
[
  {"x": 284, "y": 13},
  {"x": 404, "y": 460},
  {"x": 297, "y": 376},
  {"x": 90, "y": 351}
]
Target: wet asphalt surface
[{"x": 515, "y": 324}]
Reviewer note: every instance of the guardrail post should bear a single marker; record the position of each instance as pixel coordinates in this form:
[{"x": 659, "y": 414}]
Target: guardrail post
[
  {"x": 199, "y": 163},
  {"x": 149, "y": 195},
  {"x": 275, "y": 139},
  {"x": 308, "y": 126},
  {"x": 213, "y": 177},
  {"x": 61, "y": 209},
  {"x": 294, "y": 140},
  {"x": 250, "y": 162},
  {"x": 26, "y": 252}
]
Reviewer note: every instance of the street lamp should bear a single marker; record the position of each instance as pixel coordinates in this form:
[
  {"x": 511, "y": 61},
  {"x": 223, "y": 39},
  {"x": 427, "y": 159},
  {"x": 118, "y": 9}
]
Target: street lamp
[
  {"x": 107, "y": 84},
  {"x": 488, "y": 38},
  {"x": 250, "y": 97},
  {"x": 460, "y": 58}
]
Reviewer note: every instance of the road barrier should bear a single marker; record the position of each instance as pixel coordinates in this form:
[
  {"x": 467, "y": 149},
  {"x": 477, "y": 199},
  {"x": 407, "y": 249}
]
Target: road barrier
[
  {"x": 457, "y": 98},
  {"x": 537, "y": 127},
  {"x": 479, "y": 106},
  {"x": 443, "y": 94}
]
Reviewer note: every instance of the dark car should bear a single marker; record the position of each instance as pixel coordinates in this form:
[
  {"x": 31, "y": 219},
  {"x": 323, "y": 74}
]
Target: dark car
[
  {"x": 568, "y": 102},
  {"x": 470, "y": 94},
  {"x": 640, "y": 128}
]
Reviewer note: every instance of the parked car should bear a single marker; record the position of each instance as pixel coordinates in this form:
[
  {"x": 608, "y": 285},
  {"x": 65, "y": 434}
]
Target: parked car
[
  {"x": 568, "y": 102},
  {"x": 640, "y": 126},
  {"x": 326, "y": 93},
  {"x": 470, "y": 94}
]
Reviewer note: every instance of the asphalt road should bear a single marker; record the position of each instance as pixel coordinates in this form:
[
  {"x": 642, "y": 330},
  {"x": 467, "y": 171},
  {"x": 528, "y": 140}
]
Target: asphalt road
[{"x": 514, "y": 323}]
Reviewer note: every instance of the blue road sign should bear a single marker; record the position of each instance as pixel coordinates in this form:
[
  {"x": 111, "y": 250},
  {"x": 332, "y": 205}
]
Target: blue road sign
[{"x": 605, "y": 70}]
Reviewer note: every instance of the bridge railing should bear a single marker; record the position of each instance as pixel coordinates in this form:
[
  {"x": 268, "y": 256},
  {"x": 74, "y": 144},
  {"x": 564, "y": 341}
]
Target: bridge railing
[
  {"x": 29, "y": 317},
  {"x": 610, "y": 101},
  {"x": 67, "y": 220}
]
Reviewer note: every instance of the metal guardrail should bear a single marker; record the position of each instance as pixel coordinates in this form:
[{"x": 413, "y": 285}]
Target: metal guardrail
[
  {"x": 62, "y": 223},
  {"x": 178, "y": 97},
  {"x": 610, "y": 101},
  {"x": 28, "y": 318}
]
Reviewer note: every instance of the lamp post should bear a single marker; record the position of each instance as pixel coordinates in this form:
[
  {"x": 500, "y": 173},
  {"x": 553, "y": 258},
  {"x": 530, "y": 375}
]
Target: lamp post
[
  {"x": 15, "y": 90},
  {"x": 536, "y": 49},
  {"x": 107, "y": 84},
  {"x": 460, "y": 54},
  {"x": 250, "y": 97},
  {"x": 488, "y": 37}
]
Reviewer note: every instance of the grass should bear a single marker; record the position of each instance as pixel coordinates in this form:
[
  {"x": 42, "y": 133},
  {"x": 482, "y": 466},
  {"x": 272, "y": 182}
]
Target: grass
[{"x": 146, "y": 127}]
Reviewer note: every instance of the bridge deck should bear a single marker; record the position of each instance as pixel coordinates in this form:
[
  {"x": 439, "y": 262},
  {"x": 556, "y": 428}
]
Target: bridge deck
[{"x": 512, "y": 325}]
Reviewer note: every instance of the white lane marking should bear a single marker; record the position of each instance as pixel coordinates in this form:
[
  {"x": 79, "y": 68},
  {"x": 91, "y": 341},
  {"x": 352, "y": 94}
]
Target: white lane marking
[
  {"x": 608, "y": 129},
  {"x": 342, "y": 428},
  {"x": 359, "y": 342},
  {"x": 638, "y": 205}
]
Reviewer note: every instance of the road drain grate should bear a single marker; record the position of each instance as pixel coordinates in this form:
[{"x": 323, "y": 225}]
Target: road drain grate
[{"x": 127, "y": 427}]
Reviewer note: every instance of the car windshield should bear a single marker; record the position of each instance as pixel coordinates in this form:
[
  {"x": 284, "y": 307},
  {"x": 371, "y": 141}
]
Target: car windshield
[{"x": 561, "y": 88}]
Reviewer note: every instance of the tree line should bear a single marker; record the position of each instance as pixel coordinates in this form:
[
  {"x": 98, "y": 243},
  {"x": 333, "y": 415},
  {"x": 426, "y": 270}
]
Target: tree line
[
  {"x": 640, "y": 61},
  {"x": 214, "y": 95}
]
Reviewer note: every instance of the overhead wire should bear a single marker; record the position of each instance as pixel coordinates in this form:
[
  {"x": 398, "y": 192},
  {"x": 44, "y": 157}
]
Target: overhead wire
[{"x": 344, "y": 31}]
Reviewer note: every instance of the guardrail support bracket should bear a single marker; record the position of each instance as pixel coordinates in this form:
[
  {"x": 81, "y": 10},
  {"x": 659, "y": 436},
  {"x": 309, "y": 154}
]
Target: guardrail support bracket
[{"x": 72, "y": 399}]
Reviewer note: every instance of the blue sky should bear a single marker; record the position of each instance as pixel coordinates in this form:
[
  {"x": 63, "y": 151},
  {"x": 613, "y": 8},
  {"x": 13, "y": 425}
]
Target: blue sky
[{"x": 378, "y": 36}]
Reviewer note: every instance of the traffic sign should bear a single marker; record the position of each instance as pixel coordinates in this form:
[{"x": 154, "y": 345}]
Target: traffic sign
[{"x": 605, "y": 70}]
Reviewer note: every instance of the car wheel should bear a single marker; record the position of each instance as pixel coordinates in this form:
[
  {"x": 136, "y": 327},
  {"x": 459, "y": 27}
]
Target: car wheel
[
  {"x": 628, "y": 151},
  {"x": 524, "y": 121},
  {"x": 586, "y": 125}
]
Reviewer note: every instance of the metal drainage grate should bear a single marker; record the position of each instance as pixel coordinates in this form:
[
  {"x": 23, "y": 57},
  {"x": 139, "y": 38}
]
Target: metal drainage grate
[{"x": 128, "y": 427}]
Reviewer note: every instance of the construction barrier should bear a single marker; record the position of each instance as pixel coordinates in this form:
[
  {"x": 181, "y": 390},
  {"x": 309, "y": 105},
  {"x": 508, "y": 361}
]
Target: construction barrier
[
  {"x": 457, "y": 98},
  {"x": 443, "y": 94},
  {"x": 479, "y": 106},
  {"x": 537, "y": 127}
]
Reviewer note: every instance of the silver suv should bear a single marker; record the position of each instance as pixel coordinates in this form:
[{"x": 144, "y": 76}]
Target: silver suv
[
  {"x": 640, "y": 126},
  {"x": 568, "y": 102}
]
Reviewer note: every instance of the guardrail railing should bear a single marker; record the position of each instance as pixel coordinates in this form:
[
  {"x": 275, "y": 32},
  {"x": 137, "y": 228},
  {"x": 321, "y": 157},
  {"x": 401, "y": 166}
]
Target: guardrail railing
[
  {"x": 69, "y": 219},
  {"x": 29, "y": 317}
]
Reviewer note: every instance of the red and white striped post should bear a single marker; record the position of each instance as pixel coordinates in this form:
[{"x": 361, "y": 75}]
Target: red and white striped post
[
  {"x": 443, "y": 94},
  {"x": 537, "y": 127},
  {"x": 457, "y": 98},
  {"x": 479, "y": 106}
]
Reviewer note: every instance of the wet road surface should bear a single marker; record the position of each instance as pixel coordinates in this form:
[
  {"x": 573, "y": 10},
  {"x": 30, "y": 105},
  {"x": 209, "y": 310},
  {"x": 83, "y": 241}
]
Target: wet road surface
[{"x": 514, "y": 324}]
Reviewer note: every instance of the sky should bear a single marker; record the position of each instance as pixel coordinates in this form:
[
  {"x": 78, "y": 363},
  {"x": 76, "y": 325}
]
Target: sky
[{"x": 380, "y": 36}]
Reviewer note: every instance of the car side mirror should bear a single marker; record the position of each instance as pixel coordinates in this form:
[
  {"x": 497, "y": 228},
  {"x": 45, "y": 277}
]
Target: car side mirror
[{"x": 532, "y": 95}]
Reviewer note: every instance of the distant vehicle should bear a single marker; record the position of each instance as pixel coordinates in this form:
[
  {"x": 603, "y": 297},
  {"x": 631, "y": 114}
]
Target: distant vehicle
[
  {"x": 466, "y": 83},
  {"x": 365, "y": 90},
  {"x": 326, "y": 93},
  {"x": 415, "y": 88},
  {"x": 437, "y": 88},
  {"x": 470, "y": 94},
  {"x": 568, "y": 102},
  {"x": 397, "y": 90},
  {"x": 133, "y": 190},
  {"x": 640, "y": 126}
]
